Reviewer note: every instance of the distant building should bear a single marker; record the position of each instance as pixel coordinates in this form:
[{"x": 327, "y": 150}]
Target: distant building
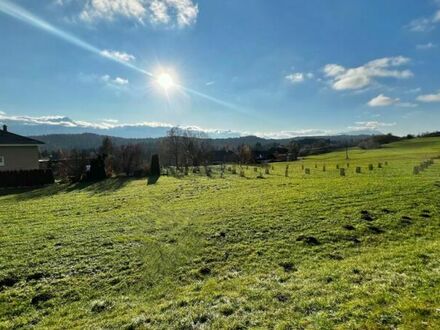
[{"x": 18, "y": 152}]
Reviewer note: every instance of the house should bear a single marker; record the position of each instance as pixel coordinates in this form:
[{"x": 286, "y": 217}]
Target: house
[{"x": 18, "y": 152}]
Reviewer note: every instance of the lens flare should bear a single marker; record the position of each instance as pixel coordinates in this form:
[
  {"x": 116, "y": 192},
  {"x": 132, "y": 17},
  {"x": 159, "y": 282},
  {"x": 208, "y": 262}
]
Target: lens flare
[{"x": 166, "y": 81}]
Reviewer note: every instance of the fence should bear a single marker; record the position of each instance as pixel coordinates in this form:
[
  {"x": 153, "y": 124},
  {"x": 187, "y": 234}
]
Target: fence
[{"x": 28, "y": 178}]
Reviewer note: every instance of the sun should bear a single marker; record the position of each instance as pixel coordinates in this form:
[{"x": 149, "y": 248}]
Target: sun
[{"x": 165, "y": 80}]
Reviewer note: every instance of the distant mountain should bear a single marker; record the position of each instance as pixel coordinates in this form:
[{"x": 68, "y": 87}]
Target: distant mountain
[{"x": 27, "y": 125}]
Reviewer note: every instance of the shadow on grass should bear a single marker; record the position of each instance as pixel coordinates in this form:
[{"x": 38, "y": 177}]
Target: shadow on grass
[
  {"x": 105, "y": 186},
  {"x": 152, "y": 179}
]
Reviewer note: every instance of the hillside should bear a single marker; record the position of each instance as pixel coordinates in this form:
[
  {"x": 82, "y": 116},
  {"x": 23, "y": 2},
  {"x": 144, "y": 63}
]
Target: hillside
[
  {"x": 93, "y": 141},
  {"x": 317, "y": 251}
]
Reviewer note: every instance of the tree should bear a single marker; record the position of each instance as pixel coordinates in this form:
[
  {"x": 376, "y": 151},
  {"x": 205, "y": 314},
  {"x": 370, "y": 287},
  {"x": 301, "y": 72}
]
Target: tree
[
  {"x": 245, "y": 154},
  {"x": 106, "y": 151},
  {"x": 173, "y": 145},
  {"x": 155, "y": 166},
  {"x": 130, "y": 158},
  {"x": 293, "y": 148}
]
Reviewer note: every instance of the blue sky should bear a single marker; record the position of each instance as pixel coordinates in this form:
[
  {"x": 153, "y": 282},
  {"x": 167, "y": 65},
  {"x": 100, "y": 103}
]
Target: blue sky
[{"x": 275, "y": 68}]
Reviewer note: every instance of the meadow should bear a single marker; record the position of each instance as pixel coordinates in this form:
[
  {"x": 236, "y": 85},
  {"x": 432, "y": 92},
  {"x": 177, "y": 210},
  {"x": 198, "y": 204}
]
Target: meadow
[{"x": 307, "y": 251}]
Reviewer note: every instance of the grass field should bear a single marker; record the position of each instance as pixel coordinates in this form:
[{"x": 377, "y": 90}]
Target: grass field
[{"x": 316, "y": 251}]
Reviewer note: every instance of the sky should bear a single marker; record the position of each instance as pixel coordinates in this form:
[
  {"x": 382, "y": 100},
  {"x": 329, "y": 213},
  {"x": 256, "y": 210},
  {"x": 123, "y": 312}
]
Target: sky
[{"x": 271, "y": 68}]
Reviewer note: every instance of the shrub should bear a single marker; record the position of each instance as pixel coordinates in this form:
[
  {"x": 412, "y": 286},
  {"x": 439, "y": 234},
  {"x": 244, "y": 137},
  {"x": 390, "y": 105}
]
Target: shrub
[{"x": 155, "y": 165}]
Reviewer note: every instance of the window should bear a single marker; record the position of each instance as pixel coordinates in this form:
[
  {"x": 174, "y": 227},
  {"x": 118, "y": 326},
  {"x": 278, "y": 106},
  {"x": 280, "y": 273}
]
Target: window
[{"x": 2, "y": 161}]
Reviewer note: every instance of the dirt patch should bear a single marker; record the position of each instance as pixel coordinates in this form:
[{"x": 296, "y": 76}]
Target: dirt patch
[
  {"x": 281, "y": 297},
  {"x": 376, "y": 230},
  {"x": 36, "y": 276},
  {"x": 309, "y": 240},
  {"x": 8, "y": 281},
  {"x": 205, "y": 271},
  {"x": 288, "y": 267},
  {"x": 41, "y": 298},
  {"x": 365, "y": 215}
]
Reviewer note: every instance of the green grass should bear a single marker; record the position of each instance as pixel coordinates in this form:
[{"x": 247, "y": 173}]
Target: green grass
[{"x": 233, "y": 253}]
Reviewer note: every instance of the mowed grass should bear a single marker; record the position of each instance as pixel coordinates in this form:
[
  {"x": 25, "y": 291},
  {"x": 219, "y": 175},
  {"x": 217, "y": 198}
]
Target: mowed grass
[{"x": 316, "y": 251}]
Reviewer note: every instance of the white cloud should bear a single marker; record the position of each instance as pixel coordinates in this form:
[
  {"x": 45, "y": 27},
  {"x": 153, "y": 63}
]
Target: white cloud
[
  {"x": 370, "y": 125},
  {"x": 424, "y": 24},
  {"x": 429, "y": 98},
  {"x": 112, "y": 121},
  {"x": 421, "y": 25},
  {"x": 299, "y": 77},
  {"x": 119, "y": 56},
  {"x": 360, "y": 77},
  {"x": 180, "y": 13},
  {"x": 295, "y": 77},
  {"x": 2, "y": 113},
  {"x": 407, "y": 105},
  {"x": 427, "y": 46},
  {"x": 437, "y": 16},
  {"x": 382, "y": 101},
  {"x": 291, "y": 134},
  {"x": 120, "y": 81},
  {"x": 109, "y": 9},
  {"x": 414, "y": 90},
  {"x": 209, "y": 83},
  {"x": 65, "y": 121},
  {"x": 114, "y": 81}
]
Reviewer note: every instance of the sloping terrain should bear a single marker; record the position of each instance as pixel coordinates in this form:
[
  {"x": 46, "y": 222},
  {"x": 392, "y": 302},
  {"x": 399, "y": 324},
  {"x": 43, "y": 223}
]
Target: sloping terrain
[{"x": 315, "y": 251}]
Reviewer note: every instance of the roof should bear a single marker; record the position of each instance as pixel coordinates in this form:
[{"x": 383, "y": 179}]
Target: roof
[{"x": 11, "y": 138}]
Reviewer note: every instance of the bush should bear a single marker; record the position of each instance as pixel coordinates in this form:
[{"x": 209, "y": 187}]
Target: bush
[{"x": 155, "y": 166}]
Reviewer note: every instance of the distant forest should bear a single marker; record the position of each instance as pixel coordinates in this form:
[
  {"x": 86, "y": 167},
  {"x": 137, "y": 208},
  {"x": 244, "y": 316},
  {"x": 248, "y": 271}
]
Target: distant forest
[{"x": 88, "y": 141}]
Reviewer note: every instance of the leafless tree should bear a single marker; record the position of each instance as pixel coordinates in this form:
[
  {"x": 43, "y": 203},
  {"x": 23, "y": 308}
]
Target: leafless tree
[
  {"x": 245, "y": 153},
  {"x": 129, "y": 158}
]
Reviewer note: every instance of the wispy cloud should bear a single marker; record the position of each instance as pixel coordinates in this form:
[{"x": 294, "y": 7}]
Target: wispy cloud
[
  {"x": 425, "y": 24},
  {"x": 426, "y": 46},
  {"x": 342, "y": 78},
  {"x": 119, "y": 56},
  {"x": 298, "y": 77},
  {"x": 370, "y": 125},
  {"x": 111, "y": 126},
  {"x": 386, "y": 101},
  {"x": 107, "y": 80},
  {"x": 382, "y": 101},
  {"x": 429, "y": 98},
  {"x": 118, "y": 81},
  {"x": 291, "y": 134},
  {"x": 172, "y": 13}
]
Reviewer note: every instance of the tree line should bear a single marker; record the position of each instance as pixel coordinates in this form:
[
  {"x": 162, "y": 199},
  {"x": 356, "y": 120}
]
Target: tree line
[{"x": 184, "y": 148}]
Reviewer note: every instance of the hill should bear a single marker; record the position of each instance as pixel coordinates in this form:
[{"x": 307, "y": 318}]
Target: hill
[
  {"x": 93, "y": 141},
  {"x": 307, "y": 251}
]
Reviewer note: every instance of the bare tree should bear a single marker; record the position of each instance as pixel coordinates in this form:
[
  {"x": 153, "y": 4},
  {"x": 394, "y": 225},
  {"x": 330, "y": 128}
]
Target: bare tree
[
  {"x": 293, "y": 148},
  {"x": 172, "y": 145},
  {"x": 129, "y": 158},
  {"x": 245, "y": 153}
]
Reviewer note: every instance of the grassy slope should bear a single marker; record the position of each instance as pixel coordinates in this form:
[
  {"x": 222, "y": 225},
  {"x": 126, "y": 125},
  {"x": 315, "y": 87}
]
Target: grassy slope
[{"x": 229, "y": 253}]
